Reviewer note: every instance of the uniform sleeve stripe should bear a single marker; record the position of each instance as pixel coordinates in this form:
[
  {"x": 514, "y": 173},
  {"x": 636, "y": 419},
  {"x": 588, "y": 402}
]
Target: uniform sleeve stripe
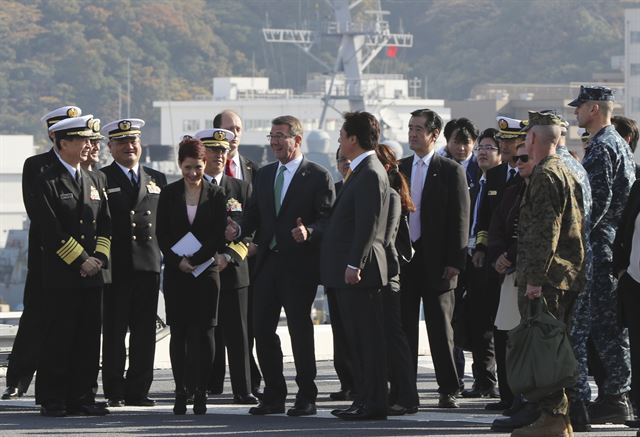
[
  {"x": 73, "y": 254},
  {"x": 103, "y": 246},
  {"x": 67, "y": 247},
  {"x": 240, "y": 248}
]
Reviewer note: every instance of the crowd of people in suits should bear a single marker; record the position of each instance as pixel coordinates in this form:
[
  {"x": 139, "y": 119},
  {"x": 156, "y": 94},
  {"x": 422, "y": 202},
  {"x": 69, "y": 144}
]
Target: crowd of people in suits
[{"x": 468, "y": 235}]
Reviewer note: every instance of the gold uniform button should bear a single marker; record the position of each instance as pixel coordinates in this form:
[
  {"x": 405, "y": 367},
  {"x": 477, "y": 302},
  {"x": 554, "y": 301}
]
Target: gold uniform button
[
  {"x": 132, "y": 212},
  {"x": 147, "y": 213},
  {"x": 93, "y": 221},
  {"x": 62, "y": 241},
  {"x": 149, "y": 225},
  {"x": 149, "y": 237},
  {"x": 133, "y": 225},
  {"x": 133, "y": 238},
  {"x": 81, "y": 222},
  {"x": 82, "y": 237},
  {"x": 95, "y": 237}
]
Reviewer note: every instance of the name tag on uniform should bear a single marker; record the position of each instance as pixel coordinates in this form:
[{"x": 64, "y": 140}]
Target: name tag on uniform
[
  {"x": 152, "y": 188},
  {"x": 66, "y": 196},
  {"x": 492, "y": 193},
  {"x": 113, "y": 190},
  {"x": 94, "y": 194}
]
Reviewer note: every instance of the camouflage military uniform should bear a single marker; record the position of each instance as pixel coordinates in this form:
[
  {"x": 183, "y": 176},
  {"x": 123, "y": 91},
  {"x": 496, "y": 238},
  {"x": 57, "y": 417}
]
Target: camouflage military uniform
[
  {"x": 581, "y": 315},
  {"x": 611, "y": 169},
  {"x": 551, "y": 207}
]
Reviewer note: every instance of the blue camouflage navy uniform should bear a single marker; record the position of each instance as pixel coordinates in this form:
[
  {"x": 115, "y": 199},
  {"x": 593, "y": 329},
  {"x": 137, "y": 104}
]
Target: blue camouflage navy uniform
[
  {"x": 609, "y": 163},
  {"x": 580, "y": 323}
]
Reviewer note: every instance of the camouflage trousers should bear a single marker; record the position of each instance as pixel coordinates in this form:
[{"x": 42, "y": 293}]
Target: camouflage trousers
[
  {"x": 610, "y": 340},
  {"x": 579, "y": 331}
]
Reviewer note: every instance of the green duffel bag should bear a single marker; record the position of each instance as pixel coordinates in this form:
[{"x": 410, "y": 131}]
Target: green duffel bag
[{"x": 539, "y": 357}]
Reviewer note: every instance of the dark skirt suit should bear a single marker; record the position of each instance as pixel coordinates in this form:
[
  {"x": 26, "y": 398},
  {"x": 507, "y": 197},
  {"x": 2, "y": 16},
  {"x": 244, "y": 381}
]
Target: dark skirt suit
[{"x": 191, "y": 302}]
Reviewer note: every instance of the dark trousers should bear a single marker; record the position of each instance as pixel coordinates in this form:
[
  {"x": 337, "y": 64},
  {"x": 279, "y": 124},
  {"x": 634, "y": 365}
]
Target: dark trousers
[
  {"x": 438, "y": 313},
  {"x": 232, "y": 333},
  {"x": 402, "y": 376},
  {"x": 341, "y": 360},
  {"x": 191, "y": 351},
  {"x": 130, "y": 303},
  {"x": 27, "y": 345},
  {"x": 276, "y": 286},
  {"x": 69, "y": 363},
  {"x": 256, "y": 376},
  {"x": 481, "y": 304},
  {"x": 363, "y": 316},
  {"x": 629, "y": 295},
  {"x": 500, "y": 343}
]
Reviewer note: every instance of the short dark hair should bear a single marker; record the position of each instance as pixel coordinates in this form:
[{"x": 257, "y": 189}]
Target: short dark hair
[
  {"x": 467, "y": 131},
  {"x": 433, "y": 120},
  {"x": 338, "y": 153},
  {"x": 191, "y": 148},
  {"x": 491, "y": 134},
  {"x": 627, "y": 127},
  {"x": 364, "y": 126}
]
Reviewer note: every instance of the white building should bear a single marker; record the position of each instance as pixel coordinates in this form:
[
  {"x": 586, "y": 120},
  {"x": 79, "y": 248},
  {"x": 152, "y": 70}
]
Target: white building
[
  {"x": 14, "y": 149},
  {"x": 386, "y": 97},
  {"x": 632, "y": 63}
]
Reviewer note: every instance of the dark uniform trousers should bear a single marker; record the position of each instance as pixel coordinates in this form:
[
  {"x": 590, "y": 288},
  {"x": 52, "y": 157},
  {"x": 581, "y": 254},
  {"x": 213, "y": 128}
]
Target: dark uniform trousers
[
  {"x": 130, "y": 302},
  {"x": 276, "y": 287},
  {"x": 438, "y": 313},
  {"x": 341, "y": 359}
]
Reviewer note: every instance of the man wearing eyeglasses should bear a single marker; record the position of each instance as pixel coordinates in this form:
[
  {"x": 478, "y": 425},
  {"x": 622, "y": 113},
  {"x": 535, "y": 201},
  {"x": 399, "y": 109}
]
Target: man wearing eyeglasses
[{"x": 291, "y": 199}]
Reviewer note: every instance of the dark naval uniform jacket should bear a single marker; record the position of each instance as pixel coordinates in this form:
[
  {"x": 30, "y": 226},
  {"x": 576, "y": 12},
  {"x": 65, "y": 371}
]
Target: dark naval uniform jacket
[
  {"x": 133, "y": 211},
  {"x": 75, "y": 224}
]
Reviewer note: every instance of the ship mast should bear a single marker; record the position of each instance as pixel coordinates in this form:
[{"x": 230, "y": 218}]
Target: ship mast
[{"x": 360, "y": 42}]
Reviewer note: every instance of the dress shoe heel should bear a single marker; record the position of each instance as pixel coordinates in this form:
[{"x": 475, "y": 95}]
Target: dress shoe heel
[
  {"x": 579, "y": 416},
  {"x": 180, "y": 404},
  {"x": 200, "y": 403}
]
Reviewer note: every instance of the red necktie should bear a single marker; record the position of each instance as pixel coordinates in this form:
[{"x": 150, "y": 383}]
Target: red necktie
[{"x": 229, "y": 170}]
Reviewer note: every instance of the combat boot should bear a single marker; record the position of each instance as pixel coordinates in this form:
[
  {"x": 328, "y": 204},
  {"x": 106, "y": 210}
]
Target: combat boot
[
  {"x": 610, "y": 409},
  {"x": 579, "y": 416},
  {"x": 546, "y": 426}
]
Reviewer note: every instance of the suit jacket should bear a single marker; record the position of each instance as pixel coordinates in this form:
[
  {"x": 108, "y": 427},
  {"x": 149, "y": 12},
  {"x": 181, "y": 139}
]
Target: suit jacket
[
  {"x": 624, "y": 235},
  {"x": 444, "y": 219},
  {"x": 191, "y": 298},
  {"x": 249, "y": 169},
  {"x": 237, "y": 193},
  {"x": 356, "y": 232},
  {"x": 503, "y": 232},
  {"x": 74, "y": 224},
  {"x": 495, "y": 186},
  {"x": 33, "y": 167},
  {"x": 134, "y": 245},
  {"x": 393, "y": 225},
  {"x": 309, "y": 196}
]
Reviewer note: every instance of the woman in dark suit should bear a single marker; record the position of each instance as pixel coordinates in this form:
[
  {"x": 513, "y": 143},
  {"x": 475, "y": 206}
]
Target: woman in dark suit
[
  {"x": 193, "y": 205},
  {"x": 403, "y": 393}
]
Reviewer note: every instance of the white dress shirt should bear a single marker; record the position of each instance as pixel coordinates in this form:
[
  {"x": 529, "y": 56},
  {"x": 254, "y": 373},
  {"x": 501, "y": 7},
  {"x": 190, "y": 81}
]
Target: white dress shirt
[{"x": 291, "y": 168}]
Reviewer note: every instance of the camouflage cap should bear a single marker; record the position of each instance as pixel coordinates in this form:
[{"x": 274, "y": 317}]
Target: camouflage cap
[
  {"x": 544, "y": 118},
  {"x": 593, "y": 93}
]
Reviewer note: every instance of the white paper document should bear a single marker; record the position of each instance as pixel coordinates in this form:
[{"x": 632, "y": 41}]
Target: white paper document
[{"x": 187, "y": 246}]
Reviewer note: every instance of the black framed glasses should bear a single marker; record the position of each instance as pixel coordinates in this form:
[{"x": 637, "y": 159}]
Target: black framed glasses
[
  {"x": 278, "y": 137},
  {"x": 485, "y": 147},
  {"x": 522, "y": 158}
]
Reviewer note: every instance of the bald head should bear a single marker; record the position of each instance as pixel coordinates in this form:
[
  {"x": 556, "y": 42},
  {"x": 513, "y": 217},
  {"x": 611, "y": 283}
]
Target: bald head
[{"x": 541, "y": 141}]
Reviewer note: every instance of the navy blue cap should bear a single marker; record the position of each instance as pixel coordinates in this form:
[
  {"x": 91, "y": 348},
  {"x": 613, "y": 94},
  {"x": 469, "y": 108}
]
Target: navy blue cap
[{"x": 594, "y": 93}]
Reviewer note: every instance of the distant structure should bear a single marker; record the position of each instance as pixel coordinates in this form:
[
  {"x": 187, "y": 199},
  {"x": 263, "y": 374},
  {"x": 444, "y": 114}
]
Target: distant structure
[{"x": 632, "y": 64}]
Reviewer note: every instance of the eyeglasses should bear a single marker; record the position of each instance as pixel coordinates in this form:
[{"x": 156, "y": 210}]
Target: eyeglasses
[
  {"x": 278, "y": 137},
  {"x": 485, "y": 147},
  {"x": 522, "y": 158}
]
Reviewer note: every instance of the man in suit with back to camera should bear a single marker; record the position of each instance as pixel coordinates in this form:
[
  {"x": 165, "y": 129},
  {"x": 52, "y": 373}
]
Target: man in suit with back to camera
[
  {"x": 354, "y": 263},
  {"x": 131, "y": 301},
  {"x": 23, "y": 359},
  {"x": 439, "y": 230},
  {"x": 291, "y": 199},
  {"x": 238, "y": 167},
  {"x": 232, "y": 329}
]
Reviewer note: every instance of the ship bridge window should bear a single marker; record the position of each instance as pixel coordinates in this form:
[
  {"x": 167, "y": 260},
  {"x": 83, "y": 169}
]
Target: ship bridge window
[
  {"x": 190, "y": 125},
  {"x": 257, "y": 124},
  {"x": 634, "y": 37}
]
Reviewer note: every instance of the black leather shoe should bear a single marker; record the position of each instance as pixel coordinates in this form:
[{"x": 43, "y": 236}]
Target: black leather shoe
[
  {"x": 579, "y": 416},
  {"x": 610, "y": 409},
  {"x": 180, "y": 404},
  {"x": 116, "y": 403},
  {"x": 257, "y": 393},
  {"x": 53, "y": 411},
  {"x": 478, "y": 392},
  {"x": 200, "y": 403},
  {"x": 244, "y": 399},
  {"x": 399, "y": 410},
  {"x": 11, "y": 393},
  {"x": 497, "y": 406},
  {"x": 632, "y": 423},
  {"x": 263, "y": 409},
  {"x": 447, "y": 401},
  {"x": 215, "y": 391},
  {"x": 517, "y": 405},
  {"x": 363, "y": 414},
  {"x": 96, "y": 409},
  {"x": 140, "y": 402},
  {"x": 302, "y": 409},
  {"x": 339, "y": 411},
  {"x": 342, "y": 395},
  {"x": 529, "y": 414}
]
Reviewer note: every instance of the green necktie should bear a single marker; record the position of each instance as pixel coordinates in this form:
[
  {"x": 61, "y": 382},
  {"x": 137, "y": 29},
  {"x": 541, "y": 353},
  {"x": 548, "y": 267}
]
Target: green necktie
[{"x": 277, "y": 193}]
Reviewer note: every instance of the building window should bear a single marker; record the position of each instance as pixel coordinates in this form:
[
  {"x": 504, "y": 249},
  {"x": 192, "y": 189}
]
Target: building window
[
  {"x": 190, "y": 125},
  {"x": 634, "y": 69},
  {"x": 257, "y": 124},
  {"x": 208, "y": 124},
  {"x": 634, "y": 37},
  {"x": 635, "y": 104}
]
